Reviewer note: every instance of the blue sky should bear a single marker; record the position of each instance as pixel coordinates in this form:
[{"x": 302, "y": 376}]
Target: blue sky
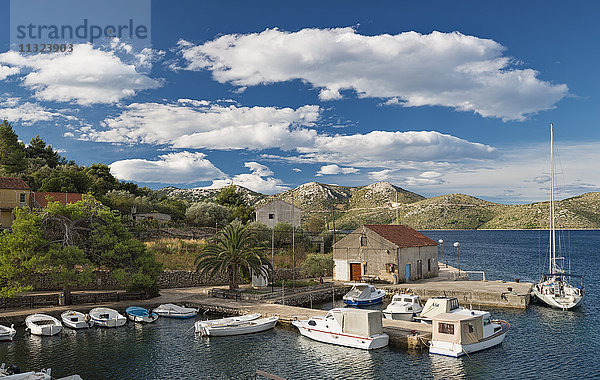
[{"x": 434, "y": 96}]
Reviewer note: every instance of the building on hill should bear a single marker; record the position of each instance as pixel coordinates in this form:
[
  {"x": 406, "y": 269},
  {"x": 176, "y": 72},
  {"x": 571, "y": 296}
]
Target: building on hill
[
  {"x": 278, "y": 211},
  {"x": 393, "y": 253},
  {"x": 41, "y": 198},
  {"x": 148, "y": 216},
  {"x": 14, "y": 192}
]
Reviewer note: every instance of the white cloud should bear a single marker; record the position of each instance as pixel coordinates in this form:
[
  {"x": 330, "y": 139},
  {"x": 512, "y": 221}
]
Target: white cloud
[
  {"x": 85, "y": 76},
  {"x": 454, "y": 70},
  {"x": 335, "y": 169},
  {"x": 177, "y": 168},
  {"x": 259, "y": 179},
  {"x": 425, "y": 178},
  {"x": 380, "y": 175},
  {"x": 201, "y": 124},
  {"x": 297, "y": 170},
  {"x": 6, "y": 71},
  {"x": 15, "y": 110}
]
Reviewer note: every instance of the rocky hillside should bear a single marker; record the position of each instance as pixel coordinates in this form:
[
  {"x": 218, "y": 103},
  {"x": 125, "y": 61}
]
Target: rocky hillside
[{"x": 376, "y": 203}]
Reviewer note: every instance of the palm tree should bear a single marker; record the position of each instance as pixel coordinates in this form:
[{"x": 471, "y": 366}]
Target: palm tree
[{"x": 232, "y": 252}]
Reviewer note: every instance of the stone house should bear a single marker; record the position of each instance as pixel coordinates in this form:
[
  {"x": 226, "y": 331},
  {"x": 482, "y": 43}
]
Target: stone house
[
  {"x": 393, "y": 253},
  {"x": 278, "y": 211},
  {"x": 14, "y": 192}
]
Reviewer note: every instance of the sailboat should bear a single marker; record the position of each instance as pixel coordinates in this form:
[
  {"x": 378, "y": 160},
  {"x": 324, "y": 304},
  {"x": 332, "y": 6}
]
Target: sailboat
[{"x": 555, "y": 288}]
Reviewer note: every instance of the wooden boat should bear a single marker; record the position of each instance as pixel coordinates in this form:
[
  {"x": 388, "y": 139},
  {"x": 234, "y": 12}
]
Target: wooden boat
[
  {"x": 198, "y": 326},
  {"x": 7, "y": 333},
  {"x": 465, "y": 332},
  {"x": 42, "y": 324},
  {"x": 105, "y": 317},
  {"x": 363, "y": 294},
  {"x": 346, "y": 327},
  {"x": 76, "y": 320},
  {"x": 240, "y": 328},
  {"x": 139, "y": 314},
  {"x": 170, "y": 310},
  {"x": 403, "y": 307}
]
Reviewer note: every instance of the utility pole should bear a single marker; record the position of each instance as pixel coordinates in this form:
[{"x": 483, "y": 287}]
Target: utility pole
[
  {"x": 272, "y": 257},
  {"x": 397, "y": 218},
  {"x": 293, "y": 245},
  {"x": 333, "y": 221}
]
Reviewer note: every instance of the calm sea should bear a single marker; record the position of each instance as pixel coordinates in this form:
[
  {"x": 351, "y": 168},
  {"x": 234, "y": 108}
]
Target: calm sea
[{"x": 542, "y": 342}]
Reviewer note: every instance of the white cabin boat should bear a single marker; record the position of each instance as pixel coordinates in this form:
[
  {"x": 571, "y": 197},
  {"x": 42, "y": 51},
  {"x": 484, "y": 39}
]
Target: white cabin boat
[
  {"x": 438, "y": 305},
  {"x": 170, "y": 310},
  {"x": 200, "y": 325},
  {"x": 42, "y": 324},
  {"x": 76, "y": 320},
  {"x": 240, "y": 328},
  {"x": 403, "y": 307},
  {"x": 105, "y": 317},
  {"x": 467, "y": 331},
  {"x": 7, "y": 333},
  {"x": 346, "y": 327},
  {"x": 363, "y": 294}
]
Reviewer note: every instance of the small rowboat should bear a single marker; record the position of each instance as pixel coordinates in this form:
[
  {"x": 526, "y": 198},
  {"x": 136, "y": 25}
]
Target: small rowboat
[
  {"x": 139, "y": 314},
  {"x": 7, "y": 333},
  {"x": 240, "y": 328},
  {"x": 224, "y": 321},
  {"x": 76, "y": 320},
  {"x": 105, "y": 317},
  {"x": 175, "y": 311},
  {"x": 42, "y": 324}
]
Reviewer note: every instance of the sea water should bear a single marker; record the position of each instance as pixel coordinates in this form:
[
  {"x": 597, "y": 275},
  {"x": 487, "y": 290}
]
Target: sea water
[{"x": 542, "y": 342}]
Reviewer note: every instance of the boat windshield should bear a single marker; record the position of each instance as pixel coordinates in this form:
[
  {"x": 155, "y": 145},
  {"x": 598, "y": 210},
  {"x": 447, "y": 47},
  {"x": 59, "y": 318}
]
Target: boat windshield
[{"x": 356, "y": 291}]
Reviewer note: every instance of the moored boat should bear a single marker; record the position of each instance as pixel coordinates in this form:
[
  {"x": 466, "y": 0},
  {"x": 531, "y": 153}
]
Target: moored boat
[
  {"x": 170, "y": 310},
  {"x": 465, "y": 332},
  {"x": 198, "y": 326},
  {"x": 240, "y": 328},
  {"x": 105, "y": 317},
  {"x": 346, "y": 327},
  {"x": 403, "y": 307},
  {"x": 140, "y": 314},
  {"x": 7, "y": 333},
  {"x": 42, "y": 324},
  {"x": 363, "y": 294},
  {"x": 76, "y": 320},
  {"x": 438, "y": 305}
]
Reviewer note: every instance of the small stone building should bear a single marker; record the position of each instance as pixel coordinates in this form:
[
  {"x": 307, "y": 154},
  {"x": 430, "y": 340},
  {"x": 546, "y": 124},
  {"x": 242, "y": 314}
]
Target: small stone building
[
  {"x": 278, "y": 211},
  {"x": 393, "y": 253}
]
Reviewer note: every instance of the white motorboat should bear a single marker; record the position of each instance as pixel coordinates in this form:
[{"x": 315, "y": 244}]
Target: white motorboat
[
  {"x": 140, "y": 314},
  {"x": 403, "y": 307},
  {"x": 363, "y": 294},
  {"x": 105, "y": 317},
  {"x": 76, "y": 320},
  {"x": 240, "y": 328},
  {"x": 198, "y": 326},
  {"x": 555, "y": 288},
  {"x": 346, "y": 327},
  {"x": 170, "y": 310},
  {"x": 13, "y": 372},
  {"x": 466, "y": 331},
  {"x": 42, "y": 324},
  {"x": 7, "y": 333},
  {"x": 438, "y": 305}
]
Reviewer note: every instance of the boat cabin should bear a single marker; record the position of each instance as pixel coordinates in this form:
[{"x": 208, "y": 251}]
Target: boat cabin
[
  {"x": 439, "y": 305},
  {"x": 458, "y": 328},
  {"x": 357, "y": 321},
  {"x": 361, "y": 291}
]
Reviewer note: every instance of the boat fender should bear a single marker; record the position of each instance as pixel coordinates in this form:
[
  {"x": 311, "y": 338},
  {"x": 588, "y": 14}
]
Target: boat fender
[{"x": 13, "y": 369}]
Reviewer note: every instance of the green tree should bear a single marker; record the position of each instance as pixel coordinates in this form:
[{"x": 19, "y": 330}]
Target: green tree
[
  {"x": 237, "y": 204},
  {"x": 317, "y": 264},
  {"x": 12, "y": 151},
  {"x": 37, "y": 149},
  {"x": 66, "y": 179},
  {"x": 205, "y": 214},
  {"x": 232, "y": 252}
]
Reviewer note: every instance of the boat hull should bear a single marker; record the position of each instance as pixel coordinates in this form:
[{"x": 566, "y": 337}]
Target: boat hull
[
  {"x": 200, "y": 325},
  {"x": 114, "y": 322},
  {"x": 176, "y": 315},
  {"x": 7, "y": 333},
  {"x": 175, "y": 311},
  {"x": 456, "y": 350},
  {"x": 104, "y": 317},
  {"x": 347, "y": 340},
  {"x": 75, "y": 320},
  {"x": 563, "y": 303},
  {"x": 397, "y": 316},
  {"x": 43, "y": 325},
  {"x": 241, "y": 328},
  {"x": 359, "y": 302}
]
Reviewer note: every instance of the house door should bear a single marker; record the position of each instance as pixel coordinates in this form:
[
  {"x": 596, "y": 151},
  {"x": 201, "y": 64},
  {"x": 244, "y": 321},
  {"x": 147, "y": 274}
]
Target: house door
[
  {"x": 355, "y": 272},
  {"x": 419, "y": 269},
  {"x": 407, "y": 272}
]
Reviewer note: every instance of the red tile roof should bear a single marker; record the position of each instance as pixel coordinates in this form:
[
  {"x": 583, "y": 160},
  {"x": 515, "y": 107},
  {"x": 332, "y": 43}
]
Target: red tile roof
[
  {"x": 401, "y": 235},
  {"x": 13, "y": 183},
  {"x": 42, "y": 198}
]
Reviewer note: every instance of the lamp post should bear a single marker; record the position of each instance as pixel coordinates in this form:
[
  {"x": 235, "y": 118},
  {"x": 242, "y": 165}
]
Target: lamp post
[
  {"x": 442, "y": 249},
  {"x": 458, "y": 253}
]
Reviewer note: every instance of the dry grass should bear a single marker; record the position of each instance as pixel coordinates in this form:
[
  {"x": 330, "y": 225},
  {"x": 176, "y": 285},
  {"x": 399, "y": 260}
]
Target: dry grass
[{"x": 176, "y": 254}]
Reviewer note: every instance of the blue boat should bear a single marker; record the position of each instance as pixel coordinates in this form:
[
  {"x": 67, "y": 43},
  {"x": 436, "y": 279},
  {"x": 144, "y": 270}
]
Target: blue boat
[
  {"x": 139, "y": 314},
  {"x": 363, "y": 294}
]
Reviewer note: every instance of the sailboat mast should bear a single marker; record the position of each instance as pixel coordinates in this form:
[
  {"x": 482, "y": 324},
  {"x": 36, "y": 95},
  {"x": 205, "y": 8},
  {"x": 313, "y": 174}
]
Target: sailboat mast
[{"x": 552, "y": 217}]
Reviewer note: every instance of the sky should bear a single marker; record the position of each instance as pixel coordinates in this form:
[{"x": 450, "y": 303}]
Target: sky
[{"x": 436, "y": 97}]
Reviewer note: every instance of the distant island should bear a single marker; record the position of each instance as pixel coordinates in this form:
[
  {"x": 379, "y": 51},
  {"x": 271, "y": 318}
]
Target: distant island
[{"x": 376, "y": 203}]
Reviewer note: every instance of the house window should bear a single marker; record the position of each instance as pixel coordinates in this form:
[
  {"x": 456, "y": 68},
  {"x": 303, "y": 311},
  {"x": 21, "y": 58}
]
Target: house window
[
  {"x": 428, "y": 265},
  {"x": 446, "y": 328},
  {"x": 22, "y": 198},
  {"x": 271, "y": 216},
  {"x": 363, "y": 241}
]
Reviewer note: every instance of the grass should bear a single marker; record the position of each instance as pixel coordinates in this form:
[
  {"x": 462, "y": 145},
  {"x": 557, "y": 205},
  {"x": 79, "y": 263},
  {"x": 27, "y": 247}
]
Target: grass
[{"x": 176, "y": 254}]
